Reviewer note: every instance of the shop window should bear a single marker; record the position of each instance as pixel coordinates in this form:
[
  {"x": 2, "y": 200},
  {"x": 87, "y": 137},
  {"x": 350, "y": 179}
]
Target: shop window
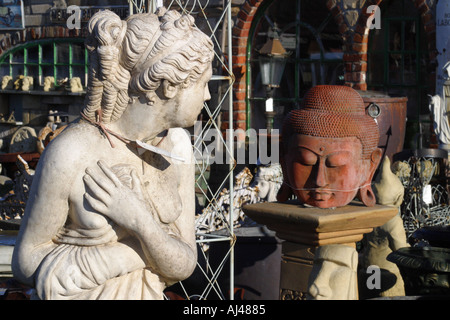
[{"x": 61, "y": 59}]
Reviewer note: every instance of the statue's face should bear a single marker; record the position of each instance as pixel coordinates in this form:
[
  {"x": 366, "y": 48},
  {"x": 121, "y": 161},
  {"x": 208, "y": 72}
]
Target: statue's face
[
  {"x": 189, "y": 101},
  {"x": 325, "y": 172}
]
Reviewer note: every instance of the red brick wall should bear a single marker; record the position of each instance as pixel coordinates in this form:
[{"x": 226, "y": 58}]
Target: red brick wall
[{"x": 14, "y": 38}]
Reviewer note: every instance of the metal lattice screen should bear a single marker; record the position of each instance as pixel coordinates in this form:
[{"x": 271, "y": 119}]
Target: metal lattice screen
[{"x": 214, "y": 222}]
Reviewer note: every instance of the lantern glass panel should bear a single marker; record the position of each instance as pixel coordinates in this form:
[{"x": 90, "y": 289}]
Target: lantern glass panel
[{"x": 272, "y": 68}]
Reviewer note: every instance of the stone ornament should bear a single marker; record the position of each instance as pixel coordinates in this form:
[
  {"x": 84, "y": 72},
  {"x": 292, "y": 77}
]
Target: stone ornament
[
  {"x": 106, "y": 219},
  {"x": 23, "y": 140},
  {"x": 7, "y": 83},
  {"x": 329, "y": 149},
  {"x": 49, "y": 84},
  {"x": 438, "y": 105},
  {"x": 24, "y": 83},
  {"x": 75, "y": 85},
  {"x": 387, "y": 238},
  {"x": 334, "y": 273},
  {"x": 27, "y": 83}
]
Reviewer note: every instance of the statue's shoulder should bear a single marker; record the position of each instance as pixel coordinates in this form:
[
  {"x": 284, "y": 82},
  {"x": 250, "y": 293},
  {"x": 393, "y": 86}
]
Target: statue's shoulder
[
  {"x": 73, "y": 146},
  {"x": 180, "y": 142}
]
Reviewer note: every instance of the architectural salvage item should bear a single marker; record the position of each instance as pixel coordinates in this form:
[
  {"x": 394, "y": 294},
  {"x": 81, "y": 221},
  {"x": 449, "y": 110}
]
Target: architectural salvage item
[
  {"x": 425, "y": 270},
  {"x": 24, "y": 83},
  {"x": 23, "y": 140},
  {"x": 263, "y": 188},
  {"x": 75, "y": 85},
  {"x": 334, "y": 273},
  {"x": 27, "y": 83},
  {"x": 49, "y": 83},
  {"x": 46, "y": 135},
  {"x": 7, "y": 83},
  {"x": 387, "y": 238},
  {"x": 267, "y": 182},
  {"x": 329, "y": 149},
  {"x": 12, "y": 205},
  {"x": 111, "y": 209},
  {"x": 389, "y": 112},
  {"x": 423, "y": 174},
  {"x": 305, "y": 230}
]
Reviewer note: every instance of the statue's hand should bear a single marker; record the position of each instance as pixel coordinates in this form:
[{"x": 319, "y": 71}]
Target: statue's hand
[{"x": 107, "y": 195}]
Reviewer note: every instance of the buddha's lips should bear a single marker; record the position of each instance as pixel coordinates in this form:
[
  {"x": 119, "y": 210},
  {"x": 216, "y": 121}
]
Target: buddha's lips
[{"x": 320, "y": 195}]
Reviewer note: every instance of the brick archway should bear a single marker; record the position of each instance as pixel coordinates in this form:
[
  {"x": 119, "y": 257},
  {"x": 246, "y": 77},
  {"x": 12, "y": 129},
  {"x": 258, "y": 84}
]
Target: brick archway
[{"x": 241, "y": 32}]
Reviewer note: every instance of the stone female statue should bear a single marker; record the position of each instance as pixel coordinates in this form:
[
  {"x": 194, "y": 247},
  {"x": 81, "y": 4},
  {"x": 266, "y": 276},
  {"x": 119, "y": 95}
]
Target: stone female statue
[
  {"x": 104, "y": 219},
  {"x": 329, "y": 149}
]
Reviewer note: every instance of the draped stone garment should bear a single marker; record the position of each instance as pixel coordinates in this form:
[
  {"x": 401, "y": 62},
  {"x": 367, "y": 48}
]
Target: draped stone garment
[{"x": 78, "y": 269}]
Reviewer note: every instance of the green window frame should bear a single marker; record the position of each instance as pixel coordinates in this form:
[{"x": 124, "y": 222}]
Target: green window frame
[{"x": 58, "y": 58}]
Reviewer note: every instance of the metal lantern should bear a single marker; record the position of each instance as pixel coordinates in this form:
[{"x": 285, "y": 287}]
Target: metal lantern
[{"x": 272, "y": 60}]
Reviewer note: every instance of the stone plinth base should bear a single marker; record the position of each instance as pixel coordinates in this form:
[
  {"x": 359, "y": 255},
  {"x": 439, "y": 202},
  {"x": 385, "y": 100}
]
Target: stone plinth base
[{"x": 319, "y": 244}]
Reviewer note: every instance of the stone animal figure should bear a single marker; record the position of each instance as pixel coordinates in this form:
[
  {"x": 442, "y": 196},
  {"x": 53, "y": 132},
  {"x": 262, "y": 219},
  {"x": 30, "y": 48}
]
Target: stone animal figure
[{"x": 387, "y": 238}]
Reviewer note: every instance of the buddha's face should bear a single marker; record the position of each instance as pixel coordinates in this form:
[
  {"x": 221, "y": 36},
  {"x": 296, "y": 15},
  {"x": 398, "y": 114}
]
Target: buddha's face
[{"x": 326, "y": 172}]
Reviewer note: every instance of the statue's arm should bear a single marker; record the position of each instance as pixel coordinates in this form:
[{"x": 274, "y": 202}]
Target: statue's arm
[
  {"x": 172, "y": 255},
  {"x": 45, "y": 214}
]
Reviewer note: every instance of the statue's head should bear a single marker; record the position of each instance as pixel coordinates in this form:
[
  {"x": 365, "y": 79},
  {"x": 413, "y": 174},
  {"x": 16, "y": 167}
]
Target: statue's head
[
  {"x": 145, "y": 56},
  {"x": 329, "y": 149}
]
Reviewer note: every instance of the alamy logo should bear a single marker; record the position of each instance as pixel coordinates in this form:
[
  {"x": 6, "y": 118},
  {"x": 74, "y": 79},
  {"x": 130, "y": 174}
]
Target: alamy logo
[
  {"x": 74, "y": 20},
  {"x": 374, "y": 280},
  {"x": 374, "y": 21}
]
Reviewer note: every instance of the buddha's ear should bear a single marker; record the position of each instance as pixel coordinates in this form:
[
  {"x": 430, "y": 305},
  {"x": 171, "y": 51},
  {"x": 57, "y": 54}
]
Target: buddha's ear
[
  {"x": 169, "y": 89},
  {"x": 285, "y": 191},
  {"x": 365, "y": 193}
]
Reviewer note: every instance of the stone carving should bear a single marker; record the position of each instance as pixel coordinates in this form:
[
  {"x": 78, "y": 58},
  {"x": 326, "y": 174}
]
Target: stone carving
[
  {"x": 334, "y": 273},
  {"x": 106, "y": 218},
  {"x": 267, "y": 182},
  {"x": 24, "y": 83},
  {"x": 387, "y": 186},
  {"x": 27, "y": 83},
  {"x": 75, "y": 85},
  {"x": 7, "y": 83},
  {"x": 387, "y": 238},
  {"x": 329, "y": 149},
  {"x": 49, "y": 83}
]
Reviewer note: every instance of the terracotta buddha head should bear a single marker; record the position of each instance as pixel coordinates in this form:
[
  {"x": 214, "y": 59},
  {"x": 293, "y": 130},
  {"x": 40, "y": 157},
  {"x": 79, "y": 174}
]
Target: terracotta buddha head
[{"x": 329, "y": 150}]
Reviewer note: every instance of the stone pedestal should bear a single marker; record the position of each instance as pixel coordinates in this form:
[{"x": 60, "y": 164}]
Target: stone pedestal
[{"x": 319, "y": 245}]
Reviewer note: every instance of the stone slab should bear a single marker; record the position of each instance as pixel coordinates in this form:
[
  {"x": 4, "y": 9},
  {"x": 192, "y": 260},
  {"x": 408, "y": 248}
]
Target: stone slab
[{"x": 315, "y": 226}]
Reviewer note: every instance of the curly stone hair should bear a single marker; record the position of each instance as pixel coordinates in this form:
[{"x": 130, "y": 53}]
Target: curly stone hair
[{"x": 134, "y": 56}]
